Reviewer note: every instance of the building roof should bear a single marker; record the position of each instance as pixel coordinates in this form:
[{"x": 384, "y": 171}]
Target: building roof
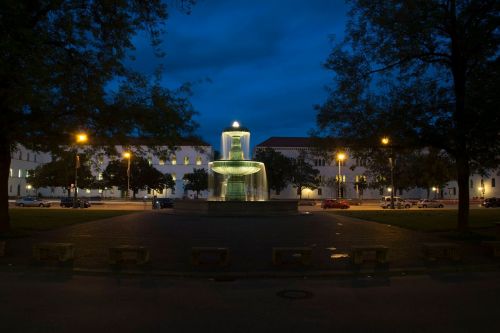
[{"x": 277, "y": 141}]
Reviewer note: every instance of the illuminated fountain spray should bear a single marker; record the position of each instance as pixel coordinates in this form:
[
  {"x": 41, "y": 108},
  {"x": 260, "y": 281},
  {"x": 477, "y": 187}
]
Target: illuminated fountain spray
[{"x": 235, "y": 177}]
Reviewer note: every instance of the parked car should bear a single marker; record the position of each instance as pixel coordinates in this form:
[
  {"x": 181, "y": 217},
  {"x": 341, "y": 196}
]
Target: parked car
[
  {"x": 68, "y": 202},
  {"x": 428, "y": 203},
  {"x": 491, "y": 202},
  {"x": 32, "y": 202},
  {"x": 330, "y": 203},
  {"x": 164, "y": 203},
  {"x": 385, "y": 202}
]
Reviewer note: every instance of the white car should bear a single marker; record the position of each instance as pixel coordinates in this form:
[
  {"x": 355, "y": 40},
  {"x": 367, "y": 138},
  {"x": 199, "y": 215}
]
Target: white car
[
  {"x": 32, "y": 202},
  {"x": 428, "y": 203},
  {"x": 385, "y": 202}
]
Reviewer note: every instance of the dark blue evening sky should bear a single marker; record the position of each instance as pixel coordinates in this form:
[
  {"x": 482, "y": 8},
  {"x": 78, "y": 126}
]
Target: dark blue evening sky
[{"x": 258, "y": 62}]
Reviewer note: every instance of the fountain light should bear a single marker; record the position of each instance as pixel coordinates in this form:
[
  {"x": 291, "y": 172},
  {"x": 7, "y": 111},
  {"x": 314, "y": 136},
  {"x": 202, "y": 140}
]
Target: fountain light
[{"x": 236, "y": 124}]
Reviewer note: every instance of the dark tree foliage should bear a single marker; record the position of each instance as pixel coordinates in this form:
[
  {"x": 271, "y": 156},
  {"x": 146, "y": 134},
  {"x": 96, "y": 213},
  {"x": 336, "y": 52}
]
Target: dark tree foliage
[
  {"x": 278, "y": 169},
  {"x": 169, "y": 181},
  {"x": 425, "y": 73},
  {"x": 196, "y": 181},
  {"x": 60, "y": 172},
  {"x": 59, "y": 61},
  {"x": 142, "y": 175},
  {"x": 304, "y": 175}
]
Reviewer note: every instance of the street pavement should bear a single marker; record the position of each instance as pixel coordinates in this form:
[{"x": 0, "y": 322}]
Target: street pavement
[{"x": 55, "y": 302}]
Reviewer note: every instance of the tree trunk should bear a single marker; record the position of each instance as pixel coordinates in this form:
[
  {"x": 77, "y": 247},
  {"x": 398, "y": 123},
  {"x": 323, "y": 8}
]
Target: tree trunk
[
  {"x": 463, "y": 174},
  {"x": 4, "y": 184}
]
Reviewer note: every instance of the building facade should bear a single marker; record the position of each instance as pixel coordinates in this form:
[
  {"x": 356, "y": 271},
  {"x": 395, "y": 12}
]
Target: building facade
[
  {"x": 184, "y": 159},
  {"x": 350, "y": 171}
]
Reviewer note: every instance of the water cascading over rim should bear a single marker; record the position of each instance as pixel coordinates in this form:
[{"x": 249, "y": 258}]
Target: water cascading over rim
[{"x": 235, "y": 177}]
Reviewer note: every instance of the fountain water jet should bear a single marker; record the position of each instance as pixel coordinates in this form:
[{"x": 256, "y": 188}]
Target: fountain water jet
[{"x": 235, "y": 177}]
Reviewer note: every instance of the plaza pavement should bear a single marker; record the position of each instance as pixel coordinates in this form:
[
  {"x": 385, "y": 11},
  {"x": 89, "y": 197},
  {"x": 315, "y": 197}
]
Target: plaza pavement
[{"x": 250, "y": 240}]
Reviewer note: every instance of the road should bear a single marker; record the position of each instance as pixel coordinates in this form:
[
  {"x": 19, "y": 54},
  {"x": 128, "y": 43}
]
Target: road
[{"x": 55, "y": 302}]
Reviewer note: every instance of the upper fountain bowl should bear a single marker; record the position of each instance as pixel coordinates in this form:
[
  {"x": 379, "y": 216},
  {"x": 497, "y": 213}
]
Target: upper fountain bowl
[{"x": 235, "y": 167}]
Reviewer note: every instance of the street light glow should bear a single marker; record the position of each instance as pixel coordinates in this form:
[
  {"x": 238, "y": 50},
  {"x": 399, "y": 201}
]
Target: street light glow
[
  {"x": 127, "y": 154},
  {"x": 385, "y": 140},
  {"x": 340, "y": 156},
  {"x": 81, "y": 138}
]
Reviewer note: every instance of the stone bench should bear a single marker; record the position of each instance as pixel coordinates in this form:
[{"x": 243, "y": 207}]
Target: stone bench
[
  {"x": 358, "y": 253},
  {"x": 494, "y": 246},
  {"x": 128, "y": 253},
  {"x": 62, "y": 252},
  {"x": 210, "y": 255},
  {"x": 292, "y": 255},
  {"x": 435, "y": 251}
]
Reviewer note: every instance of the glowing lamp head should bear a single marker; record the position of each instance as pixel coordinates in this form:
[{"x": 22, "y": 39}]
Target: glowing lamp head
[
  {"x": 127, "y": 154},
  {"x": 385, "y": 140},
  {"x": 81, "y": 138},
  {"x": 236, "y": 124},
  {"x": 340, "y": 156},
  {"x": 389, "y": 189}
]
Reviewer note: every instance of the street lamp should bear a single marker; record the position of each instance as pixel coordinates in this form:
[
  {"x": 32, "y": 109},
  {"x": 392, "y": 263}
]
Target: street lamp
[
  {"x": 128, "y": 156},
  {"x": 80, "y": 139},
  {"x": 340, "y": 157},
  {"x": 386, "y": 141}
]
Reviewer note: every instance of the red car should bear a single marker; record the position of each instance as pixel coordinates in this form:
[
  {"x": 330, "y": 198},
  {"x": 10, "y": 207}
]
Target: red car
[{"x": 334, "y": 204}]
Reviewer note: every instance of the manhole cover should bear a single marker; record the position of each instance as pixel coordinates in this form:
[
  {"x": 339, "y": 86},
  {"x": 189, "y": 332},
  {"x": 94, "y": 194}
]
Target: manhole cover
[{"x": 294, "y": 294}]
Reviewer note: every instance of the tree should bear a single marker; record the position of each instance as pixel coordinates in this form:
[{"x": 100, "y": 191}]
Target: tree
[
  {"x": 426, "y": 74},
  {"x": 59, "y": 62},
  {"x": 196, "y": 181},
  {"x": 60, "y": 172},
  {"x": 169, "y": 181},
  {"x": 278, "y": 169},
  {"x": 304, "y": 175},
  {"x": 142, "y": 175}
]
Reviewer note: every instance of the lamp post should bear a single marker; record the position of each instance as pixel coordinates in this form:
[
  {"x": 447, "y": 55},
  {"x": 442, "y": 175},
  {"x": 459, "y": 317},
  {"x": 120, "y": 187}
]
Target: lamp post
[
  {"x": 128, "y": 156},
  {"x": 386, "y": 141},
  {"x": 340, "y": 158},
  {"x": 80, "y": 139}
]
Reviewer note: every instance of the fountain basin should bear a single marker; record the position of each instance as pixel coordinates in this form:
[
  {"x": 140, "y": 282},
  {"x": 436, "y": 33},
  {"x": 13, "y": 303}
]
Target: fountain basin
[{"x": 235, "y": 167}]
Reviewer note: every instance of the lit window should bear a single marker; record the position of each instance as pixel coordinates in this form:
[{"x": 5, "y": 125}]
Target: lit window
[
  {"x": 100, "y": 190},
  {"x": 161, "y": 161},
  {"x": 150, "y": 161},
  {"x": 20, "y": 173},
  {"x": 11, "y": 173},
  {"x": 27, "y": 173},
  {"x": 186, "y": 160},
  {"x": 198, "y": 160},
  {"x": 174, "y": 160},
  {"x": 100, "y": 159},
  {"x": 99, "y": 176},
  {"x": 87, "y": 190},
  {"x": 174, "y": 177}
]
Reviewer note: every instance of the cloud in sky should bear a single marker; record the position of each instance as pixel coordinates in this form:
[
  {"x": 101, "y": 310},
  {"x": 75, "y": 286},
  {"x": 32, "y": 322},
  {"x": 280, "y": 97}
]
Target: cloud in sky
[{"x": 263, "y": 60}]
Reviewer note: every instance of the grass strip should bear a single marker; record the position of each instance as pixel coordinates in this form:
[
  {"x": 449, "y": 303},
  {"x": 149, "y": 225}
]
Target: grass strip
[
  {"x": 47, "y": 219},
  {"x": 426, "y": 220}
]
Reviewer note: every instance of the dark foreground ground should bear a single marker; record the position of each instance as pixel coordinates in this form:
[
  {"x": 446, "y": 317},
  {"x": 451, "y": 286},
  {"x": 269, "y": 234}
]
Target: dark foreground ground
[{"x": 55, "y": 302}]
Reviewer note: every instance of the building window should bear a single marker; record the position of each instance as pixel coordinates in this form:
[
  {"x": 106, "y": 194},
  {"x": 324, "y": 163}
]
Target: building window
[
  {"x": 186, "y": 160},
  {"x": 160, "y": 191},
  {"x": 198, "y": 160},
  {"x": 454, "y": 191},
  {"x": 27, "y": 157},
  {"x": 493, "y": 182},
  {"x": 150, "y": 160},
  {"x": 149, "y": 190},
  {"x": 87, "y": 190},
  {"x": 10, "y": 188},
  {"x": 471, "y": 183},
  {"x": 320, "y": 191},
  {"x": 161, "y": 161},
  {"x": 173, "y": 160},
  {"x": 99, "y": 176},
  {"x": 20, "y": 155},
  {"x": 174, "y": 177},
  {"x": 20, "y": 173},
  {"x": 11, "y": 173},
  {"x": 27, "y": 174},
  {"x": 34, "y": 158}
]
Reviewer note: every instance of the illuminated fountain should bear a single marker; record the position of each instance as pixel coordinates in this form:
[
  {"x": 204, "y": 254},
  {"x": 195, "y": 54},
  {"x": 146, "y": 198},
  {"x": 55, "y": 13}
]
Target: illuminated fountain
[{"x": 235, "y": 177}]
